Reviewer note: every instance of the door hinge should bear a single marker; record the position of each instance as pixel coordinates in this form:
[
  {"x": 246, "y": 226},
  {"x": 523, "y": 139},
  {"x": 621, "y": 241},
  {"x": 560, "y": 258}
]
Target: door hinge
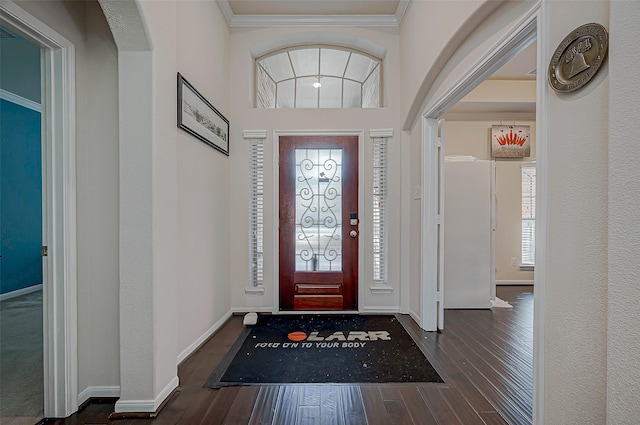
[
  {"x": 439, "y": 296},
  {"x": 45, "y": 251},
  {"x": 439, "y": 219}
]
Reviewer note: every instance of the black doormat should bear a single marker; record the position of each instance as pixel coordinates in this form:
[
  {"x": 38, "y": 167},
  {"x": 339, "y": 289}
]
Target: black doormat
[{"x": 323, "y": 349}]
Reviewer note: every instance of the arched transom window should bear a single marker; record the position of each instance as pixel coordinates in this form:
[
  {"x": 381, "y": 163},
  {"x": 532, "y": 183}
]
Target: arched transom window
[{"x": 318, "y": 77}]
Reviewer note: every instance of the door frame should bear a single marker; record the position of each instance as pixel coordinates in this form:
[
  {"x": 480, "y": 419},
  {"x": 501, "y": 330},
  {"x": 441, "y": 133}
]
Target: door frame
[
  {"x": 59, "y": 209},
  {"x": 276, "y": 212},
  {"x": 522, "y": 34}
]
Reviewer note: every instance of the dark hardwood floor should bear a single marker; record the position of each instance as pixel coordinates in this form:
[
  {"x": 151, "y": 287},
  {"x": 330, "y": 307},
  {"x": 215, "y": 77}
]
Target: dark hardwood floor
[{"x": 484, "y": 356}]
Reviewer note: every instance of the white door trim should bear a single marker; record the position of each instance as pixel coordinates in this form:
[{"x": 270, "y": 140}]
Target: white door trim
[
  {"x": 59, "y": 215},
  {"x": 276, "y": 213},
  {"x": 429, "y": 245}
]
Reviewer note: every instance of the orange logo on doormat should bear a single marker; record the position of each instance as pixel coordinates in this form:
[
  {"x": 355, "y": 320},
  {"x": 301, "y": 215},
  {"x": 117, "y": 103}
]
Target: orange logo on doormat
[{"x": 297, "y": 336}]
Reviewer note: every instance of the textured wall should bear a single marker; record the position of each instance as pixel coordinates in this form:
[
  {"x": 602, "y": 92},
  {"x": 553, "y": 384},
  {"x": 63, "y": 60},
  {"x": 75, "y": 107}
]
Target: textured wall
[
  {"x": 623, "y": 325},
  {"x": 203, "y": 177},
  {"x": 574, "y": 306}
]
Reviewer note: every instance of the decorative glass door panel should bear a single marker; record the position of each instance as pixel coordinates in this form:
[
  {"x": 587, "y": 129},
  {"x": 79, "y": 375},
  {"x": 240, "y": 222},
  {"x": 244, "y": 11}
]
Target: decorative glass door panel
[
  {"x": 318, "y": 243},
  {"x": 318, "y": 236}
]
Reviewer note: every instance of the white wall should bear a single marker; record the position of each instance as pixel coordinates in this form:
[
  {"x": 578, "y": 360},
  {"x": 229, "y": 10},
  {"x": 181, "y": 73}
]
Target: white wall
[
  {"x": 430, "y": 33},
  {"x": 474, "y": 138},
  {"x": 575, "y": 295},
  {"x": 248, "y": 42},
  {"x": 98, "y": 181},
  {"x": 203, "y": 177},
  {"x": 623, "y": 337},
  {"x": 175, "y": 194},
  {"x": 97, "y": 184}
]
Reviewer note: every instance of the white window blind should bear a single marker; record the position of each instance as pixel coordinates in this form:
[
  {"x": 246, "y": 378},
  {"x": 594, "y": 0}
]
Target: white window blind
[
  {"x": 380, "y": 210},
  {"x": 528, "y": 215},
  {"x": 256, "y": 212}
]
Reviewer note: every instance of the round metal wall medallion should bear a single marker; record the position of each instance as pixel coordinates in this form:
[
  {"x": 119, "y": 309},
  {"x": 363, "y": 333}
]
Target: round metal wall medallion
[{"x": 578, "y": 57}]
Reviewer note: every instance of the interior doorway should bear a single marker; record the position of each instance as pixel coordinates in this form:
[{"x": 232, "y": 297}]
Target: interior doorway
[
  {"x": 318, "y": 215},
  {"x": 434, "y": 291},
  {"x": 21, "y": 212},
  {"x": 58, "y": 211}
]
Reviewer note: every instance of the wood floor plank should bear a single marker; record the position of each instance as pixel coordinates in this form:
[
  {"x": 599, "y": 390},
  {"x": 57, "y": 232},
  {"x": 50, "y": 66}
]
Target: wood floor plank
[
  {"x": 217, "y": 412},
  {"x": 416, "y": 406},
  {"x": 331, "y": 405},
  {"x": 390, "y": 392},
  {"x": 242, "y": 407},
  {"x": 287, "y": 407},
  {"x": 447, "y": 362},
  {"x": 397, "y": 412},
  {"x": 493, "y": 418},
  {"x": 352, "y": 405},
  {"x": 198, "y": 407},
  {"x": 308, "y": 415},
  {"x": 500, "y": 398},
  {"x": 462, "y": 409},
  {"x": 374, "y": 408},
  {"x": 439, "y": 407},
  {"x": 265, "y": 406},
  {"x": 309, "y": 395}
]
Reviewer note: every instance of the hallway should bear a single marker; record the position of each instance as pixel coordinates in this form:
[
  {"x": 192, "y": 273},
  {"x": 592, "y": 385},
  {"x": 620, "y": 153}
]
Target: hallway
[{"x": 484, "y": 356}]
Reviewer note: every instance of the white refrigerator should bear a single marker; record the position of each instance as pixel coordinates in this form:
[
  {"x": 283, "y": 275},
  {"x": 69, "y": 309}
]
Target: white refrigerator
[{"x": 469, "y": 233}]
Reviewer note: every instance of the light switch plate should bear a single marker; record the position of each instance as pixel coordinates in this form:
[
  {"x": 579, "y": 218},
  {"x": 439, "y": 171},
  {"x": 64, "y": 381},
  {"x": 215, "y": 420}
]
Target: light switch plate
[{"x": 416, "y": 192}]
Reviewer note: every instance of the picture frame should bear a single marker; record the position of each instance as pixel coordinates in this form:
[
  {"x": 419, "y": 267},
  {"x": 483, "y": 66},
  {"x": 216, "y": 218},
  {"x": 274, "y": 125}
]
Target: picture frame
[
  {"x": 200, "y": 118},
  {"x": 510, "y": 141}
]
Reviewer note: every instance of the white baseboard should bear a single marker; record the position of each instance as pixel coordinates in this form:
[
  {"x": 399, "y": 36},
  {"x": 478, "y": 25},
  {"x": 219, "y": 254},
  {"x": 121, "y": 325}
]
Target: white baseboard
[
  {"x": 205, "y": 336},
  {"x": 147, "y": 406},
  {"x": 251, "y": 309},
  {"x": 415, "y": 316},
  {"x": 19, "y": 292},
  {"x": 514, "y": 282},
  {"x": 98, "y": 392}
]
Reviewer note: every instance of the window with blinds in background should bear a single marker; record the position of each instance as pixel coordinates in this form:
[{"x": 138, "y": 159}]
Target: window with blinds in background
[
  {"x": 380, "y": 210},
  {"x": 528, "y": 215},
  {"x": 256, "y": 212}
]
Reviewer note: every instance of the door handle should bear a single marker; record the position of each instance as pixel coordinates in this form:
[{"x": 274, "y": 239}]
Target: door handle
[{"x": 353, "y": 233}]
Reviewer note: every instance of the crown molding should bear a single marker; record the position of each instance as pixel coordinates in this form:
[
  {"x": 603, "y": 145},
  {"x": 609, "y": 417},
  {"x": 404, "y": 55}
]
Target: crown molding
[{"x": 253, "y": 21}]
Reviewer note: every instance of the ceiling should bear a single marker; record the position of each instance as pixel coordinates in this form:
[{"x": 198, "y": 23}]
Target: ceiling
[
  {"x": 521, "y": 67},
  {"x": 314, "y": 7},
  {"x": 362, "y": 13}
]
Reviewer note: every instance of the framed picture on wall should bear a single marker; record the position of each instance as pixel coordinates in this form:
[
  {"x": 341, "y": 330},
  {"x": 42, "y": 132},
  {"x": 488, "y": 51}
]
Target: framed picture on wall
[
  {"x": 510, "y": 141},
  {"x": 200, "y": 118}
]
